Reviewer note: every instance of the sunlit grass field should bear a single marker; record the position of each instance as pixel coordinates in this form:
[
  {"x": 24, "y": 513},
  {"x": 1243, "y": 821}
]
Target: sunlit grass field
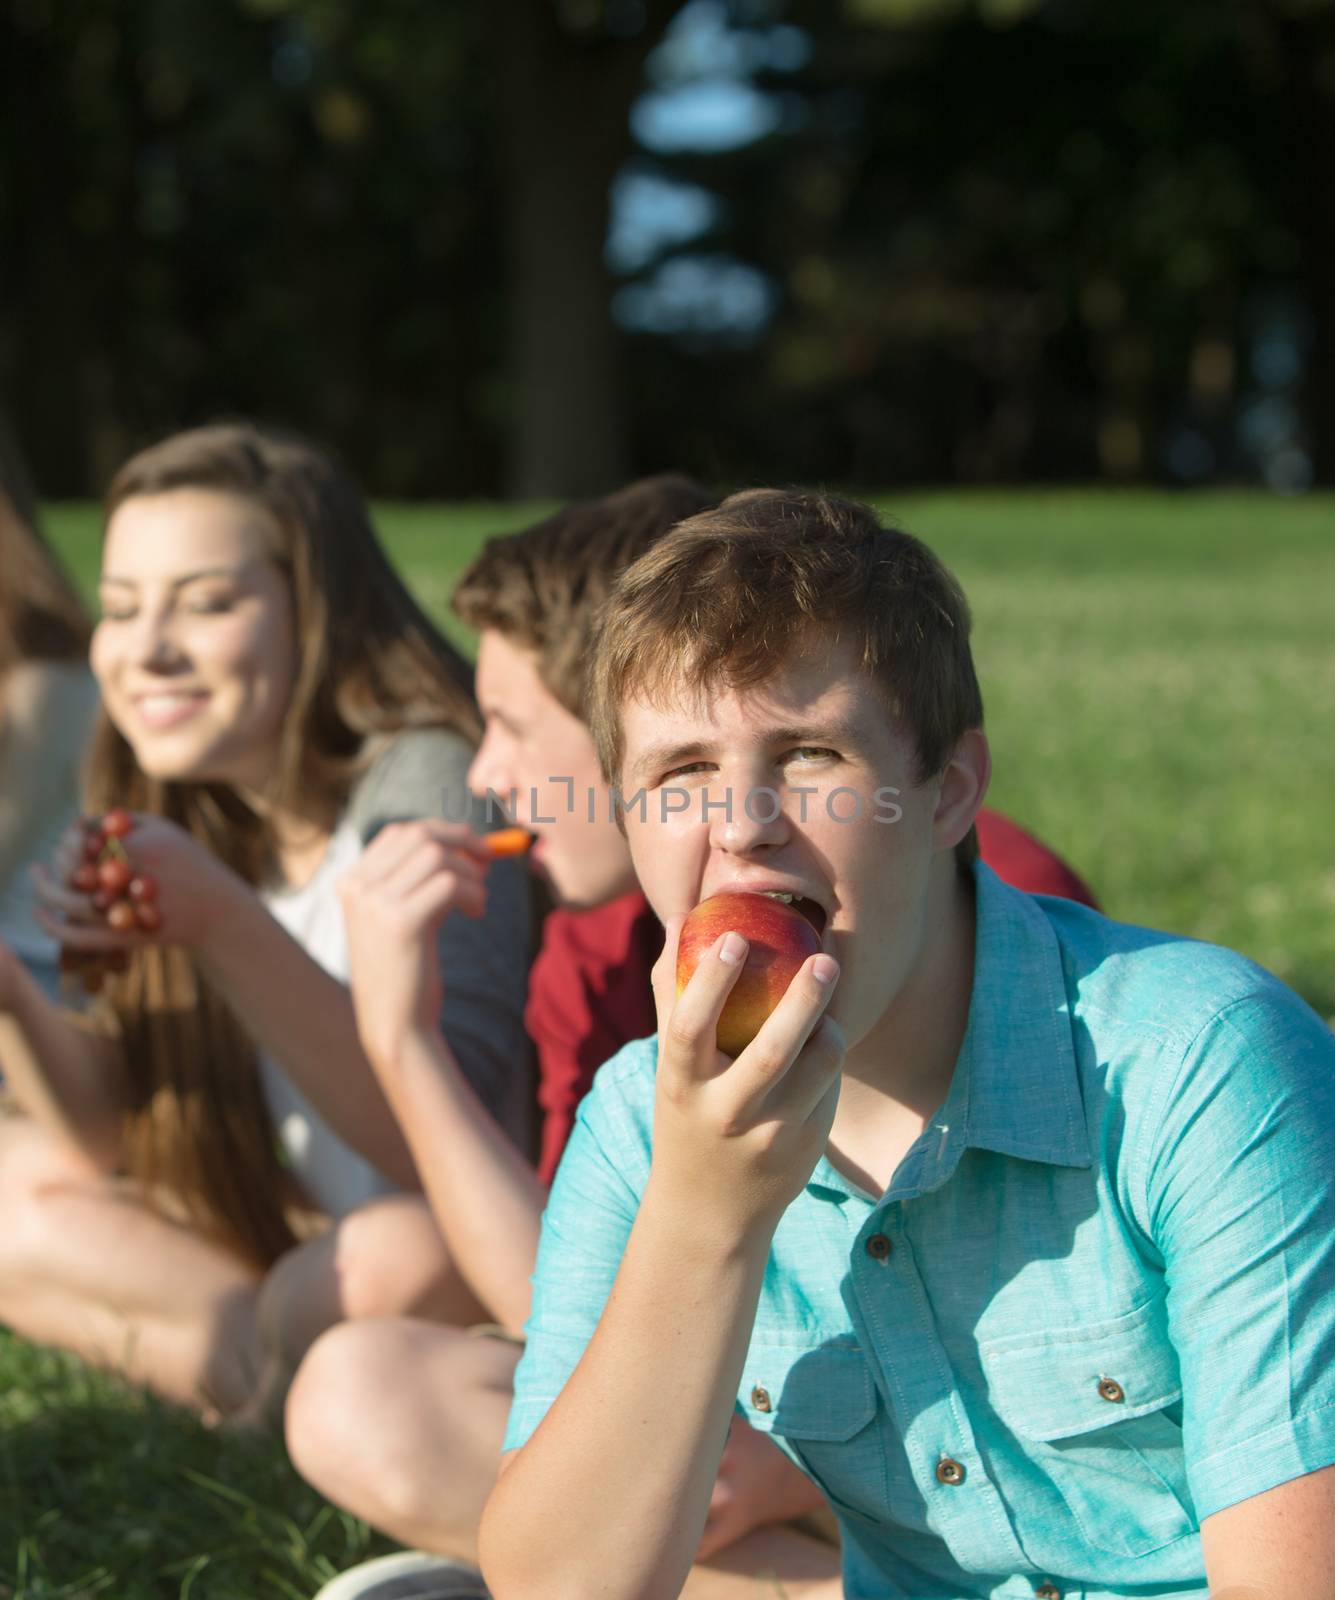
[{"x": 1159, "y": 674}]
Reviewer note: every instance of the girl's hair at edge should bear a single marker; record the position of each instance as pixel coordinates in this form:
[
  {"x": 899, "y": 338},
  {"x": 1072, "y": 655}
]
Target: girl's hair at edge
[
  {"x": 41, "y": 615},
  {"x": 370, "y": 663}
]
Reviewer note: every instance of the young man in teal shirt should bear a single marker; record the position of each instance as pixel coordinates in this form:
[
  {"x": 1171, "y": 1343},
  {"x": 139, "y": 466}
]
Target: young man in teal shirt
[{"x": 1015, "y": 1227}]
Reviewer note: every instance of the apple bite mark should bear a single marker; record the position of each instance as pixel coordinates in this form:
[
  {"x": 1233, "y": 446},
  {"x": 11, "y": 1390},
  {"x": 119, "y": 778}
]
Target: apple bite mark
[
  {"x": 779, "y": 938},
  {"x": 812, "y": 910}
]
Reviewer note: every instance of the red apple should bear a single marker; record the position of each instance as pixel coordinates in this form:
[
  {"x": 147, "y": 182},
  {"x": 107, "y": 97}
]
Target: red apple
[{"x": 780, "y": 940}]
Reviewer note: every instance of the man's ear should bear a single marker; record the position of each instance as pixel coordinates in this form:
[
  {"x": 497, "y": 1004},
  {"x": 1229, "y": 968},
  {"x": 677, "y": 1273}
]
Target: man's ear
[{"x": 963, "y": 784}]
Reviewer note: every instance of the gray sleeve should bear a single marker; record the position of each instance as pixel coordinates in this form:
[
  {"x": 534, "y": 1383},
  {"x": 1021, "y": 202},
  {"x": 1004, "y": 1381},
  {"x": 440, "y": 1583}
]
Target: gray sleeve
[{"x": 484, "y": 964}]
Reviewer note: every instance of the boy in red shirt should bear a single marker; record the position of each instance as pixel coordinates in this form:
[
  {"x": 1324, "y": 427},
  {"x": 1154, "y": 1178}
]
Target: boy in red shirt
[{"x": 416, "y": 1454}]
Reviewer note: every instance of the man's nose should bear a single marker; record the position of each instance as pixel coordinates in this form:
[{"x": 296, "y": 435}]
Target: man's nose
[
  {"x": 744, "y": 818},
  {"x": 489, "y": 774}
]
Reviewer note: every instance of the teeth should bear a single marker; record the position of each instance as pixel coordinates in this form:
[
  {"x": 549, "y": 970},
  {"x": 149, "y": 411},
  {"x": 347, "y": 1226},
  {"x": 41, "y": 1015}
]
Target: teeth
[{"x": 779, "y": 894}]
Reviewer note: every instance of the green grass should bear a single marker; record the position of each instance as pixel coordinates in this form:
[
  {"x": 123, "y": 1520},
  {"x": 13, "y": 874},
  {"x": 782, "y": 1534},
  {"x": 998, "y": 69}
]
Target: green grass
[
  {"x": 1160, "y": 687},
  {"x": 105, "y": 1492}
]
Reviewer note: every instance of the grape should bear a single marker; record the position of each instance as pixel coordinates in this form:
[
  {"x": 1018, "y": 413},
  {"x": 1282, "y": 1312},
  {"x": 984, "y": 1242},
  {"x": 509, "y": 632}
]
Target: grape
[
  {"x": 115, "y": 874},
  {"x": 125, "y": 898},
  {"x": 117, "y": 823}
]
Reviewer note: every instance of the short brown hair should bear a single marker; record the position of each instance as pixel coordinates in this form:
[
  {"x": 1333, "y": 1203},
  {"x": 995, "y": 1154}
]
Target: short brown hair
[
  {"x": 542, "y": 587},
  {"x": 729, "y": 594}
]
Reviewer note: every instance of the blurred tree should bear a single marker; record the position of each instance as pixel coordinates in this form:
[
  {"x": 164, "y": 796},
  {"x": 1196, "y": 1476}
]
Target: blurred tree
[
  {"x": 1016, "y": 238},
  {"x": 244, "y": 208},
  {"x": 570, "y": 72},
  {"x": 978, "y": 239},
  {"x": 380, "y": 220}
]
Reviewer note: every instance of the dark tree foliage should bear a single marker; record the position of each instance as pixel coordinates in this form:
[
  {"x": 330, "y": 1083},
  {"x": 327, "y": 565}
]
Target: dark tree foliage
[
  {"x": 1007, "y": 239},
  {"x": 1028, "y": 239},
  {"x": 309, "y": 211}
]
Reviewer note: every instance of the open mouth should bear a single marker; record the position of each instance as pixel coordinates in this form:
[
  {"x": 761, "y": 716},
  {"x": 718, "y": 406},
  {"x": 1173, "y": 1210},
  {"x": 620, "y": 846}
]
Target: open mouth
[{"x": 810, "y": 909}]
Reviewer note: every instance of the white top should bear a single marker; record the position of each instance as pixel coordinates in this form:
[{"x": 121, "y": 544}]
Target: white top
[{"x": 333, "y": 1174}]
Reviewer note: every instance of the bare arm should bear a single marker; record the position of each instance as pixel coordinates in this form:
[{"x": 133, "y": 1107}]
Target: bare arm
[
  {"x": 305, "y": 1020},
  {"x": 287, "y": 1001},
  {"x": 484, "y": 1195},
  {"x": 67, "y": 1077},
  {"x": 639, "y": 1429},
  {"x": 1281, "y": 1542}
]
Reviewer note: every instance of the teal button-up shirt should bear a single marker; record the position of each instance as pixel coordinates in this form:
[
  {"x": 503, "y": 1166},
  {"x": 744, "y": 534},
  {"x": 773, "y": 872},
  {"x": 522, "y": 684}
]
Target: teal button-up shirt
[{"x": 1096, "y": 1303}]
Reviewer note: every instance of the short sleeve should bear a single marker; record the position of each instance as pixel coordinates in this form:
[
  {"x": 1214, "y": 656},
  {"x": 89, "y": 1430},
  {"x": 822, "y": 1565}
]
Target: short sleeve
[
  {"x": 590, "y": 991},
  {"x": 483, "y": 963},
  {"x": 1241, "y": 1202},
  {"x": 589, "y": 1216}
]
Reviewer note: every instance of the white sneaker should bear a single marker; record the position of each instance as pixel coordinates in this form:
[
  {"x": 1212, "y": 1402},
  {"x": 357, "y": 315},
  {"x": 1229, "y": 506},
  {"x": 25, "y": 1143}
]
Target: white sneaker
[{"x": 409, "y": 1575}]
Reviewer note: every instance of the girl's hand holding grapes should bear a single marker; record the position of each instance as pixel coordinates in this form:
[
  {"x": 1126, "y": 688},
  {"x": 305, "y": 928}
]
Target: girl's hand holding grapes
[{"x": 124, "y": 880}]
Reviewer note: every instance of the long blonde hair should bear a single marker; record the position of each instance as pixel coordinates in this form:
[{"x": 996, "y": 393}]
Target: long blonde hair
[{"x": 370, "y": 663}]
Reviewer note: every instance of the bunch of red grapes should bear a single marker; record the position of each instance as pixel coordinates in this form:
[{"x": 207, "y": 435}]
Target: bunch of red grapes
[{"x": 126, "y": 899}]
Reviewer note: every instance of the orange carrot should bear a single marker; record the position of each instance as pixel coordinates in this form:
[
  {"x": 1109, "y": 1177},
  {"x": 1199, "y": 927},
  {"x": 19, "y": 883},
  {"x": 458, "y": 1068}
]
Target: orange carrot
[{"x": 507, "y": 842}]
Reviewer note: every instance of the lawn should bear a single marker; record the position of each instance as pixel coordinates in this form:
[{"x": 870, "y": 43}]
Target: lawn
[{"x": 1160, "y": 684}]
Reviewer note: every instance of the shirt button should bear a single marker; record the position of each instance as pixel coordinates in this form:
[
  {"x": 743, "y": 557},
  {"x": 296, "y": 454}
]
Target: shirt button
[
  {"x": 1048, "y": 1591},
  {"x": 1110, "y": 1389},
  {"x": 760, "y": 1399},
  {"x": 878, "y": 1247},
  {"x": 948, "y": 1471}
]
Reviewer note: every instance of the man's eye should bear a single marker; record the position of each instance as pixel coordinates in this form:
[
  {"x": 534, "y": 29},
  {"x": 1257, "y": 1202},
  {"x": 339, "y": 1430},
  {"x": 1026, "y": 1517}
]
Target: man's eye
[
  {"x": 687, "y": 771},
  {"x": 115, "y": 614},
  {"x": 811, "y": 752},
  {"x": 211, "y": 605}
]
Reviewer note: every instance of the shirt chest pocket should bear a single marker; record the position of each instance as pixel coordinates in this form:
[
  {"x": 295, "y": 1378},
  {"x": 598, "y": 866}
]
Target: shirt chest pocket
[
  {"x": 820, "y": 1404},
  {"x": 1094, "y": 1408}
]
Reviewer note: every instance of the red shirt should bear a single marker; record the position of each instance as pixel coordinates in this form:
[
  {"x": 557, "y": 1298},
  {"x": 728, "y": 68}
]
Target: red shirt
[{"x": 589, "y": 991}]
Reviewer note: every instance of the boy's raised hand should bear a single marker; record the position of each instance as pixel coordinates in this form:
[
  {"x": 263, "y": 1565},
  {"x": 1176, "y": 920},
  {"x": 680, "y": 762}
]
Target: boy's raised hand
[
  {"x": 412, "y": 875},
  {"x": 736, "y": 1140}
]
